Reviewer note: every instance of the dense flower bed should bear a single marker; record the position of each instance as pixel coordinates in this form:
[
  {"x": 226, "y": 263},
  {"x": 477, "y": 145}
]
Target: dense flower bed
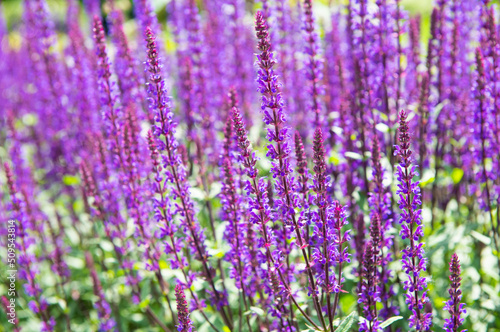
[{"x": 278, "y": 166}]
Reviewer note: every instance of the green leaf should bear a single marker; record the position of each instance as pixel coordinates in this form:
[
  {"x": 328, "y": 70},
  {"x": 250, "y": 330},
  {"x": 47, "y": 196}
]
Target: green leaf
[
  {"x": 144, "y": 303},
  {"x": 75, "y": 262},
  {"x": 197, "y": 194},
  {"x": 310, "y": 328},
  {"x": 480, "y": 237},
  {"x": 254, "y": 310},
  {"x": 215, "y": 189},
  {"x": 426, "y": 182},
  {"x": 353, "y": 155},
  {"x": 389, "y": 321},
  {"x": 71, "y": 180},
  {"x": 163, "y": 265},
  {"x": 334, "y": 159},
  {"x": 30, "y": 119},
  {"x": 346, "y": 323},
  {"x": 457, "y": 174},
  {"x": 382, "y": 127}
]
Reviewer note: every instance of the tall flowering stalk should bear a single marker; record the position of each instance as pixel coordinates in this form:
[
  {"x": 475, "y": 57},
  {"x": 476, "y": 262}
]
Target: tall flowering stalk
[
  {"x": 129, "y": 81},
  {"x": 482, "y": 134},
  {"x": 302, "y": 187},
  {"x": 197, "y": 55},
  {"x": 174, "y": 171},
  {"x": 453, "y": 305},
  {"x": 341, "y": 255},
  {"x": 314, "y": 65},
  {"x": 323, "y": 233},
  {"x": 106, "y": 322},
  {"x": 369, "y": 291},
  {"x": 256, "y": 188},
  {"x": 111, "y": 113},
  {"x": 234, "y": 234},
  {"x": 185, "y": 324},
  {"x": 410, "y": 219},
  {"x": 366, "y": 76},
  {"x": 379, "y": 201},
  {"x": 27, "y": 262},
  {"x": 272, "y": 105},
  {"x": 231, "y": 202},
  {"x": 174, "y": 245},
  {"x": 327, "y": 236}
]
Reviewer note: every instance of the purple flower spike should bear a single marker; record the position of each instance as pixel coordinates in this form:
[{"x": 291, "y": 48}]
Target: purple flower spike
[
  {"x": 111, "y": 114},
  {"x": 185, "y": 324},
  {"x": 411, "y": 228},
  {"x": 175, "y": 172},
  {"x": 453, "y": 305},
  {"x": 380, "y": 208},
  {"x": 107, "y": 323},
  {"x": 369, "y": 295},
  {"x": 279, "y": 148},
  {"x": 324, "y": 234},
  {"x": 314, "y": 64},
  {"x": 27, "y": 262}
]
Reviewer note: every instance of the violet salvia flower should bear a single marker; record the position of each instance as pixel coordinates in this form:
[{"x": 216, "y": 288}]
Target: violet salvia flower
[
  {"x": 197, "y": 55},
  {"x": 295, "y": 96},
  {"x": 186, "y": 90},
  {"x": 232, "y": 213},
  {"x": 84, "y": 94},
  {"x": 146, "y": 18},
  {"x": 174, "y": 171},
  {"x": 314, "y": 64},
  {"x": 452, "y": 72},
  {"x": 185, "y": 324},
  {"x": 106, "y": 322},
  {"x": 410, "y": 219},
  {"x": 453, "y": 305},
  {"x": 341, "y": 255},
  {"x": 483, "y": 138},
  {"x": 379, "y": 201},
  {"x": 359, "y": 238},
  {"x": 369, "y": 295},
  {"x": 172, "y": 165},
  {"x": 27, "y": 261},
  {"x": 105, "y": 208},
  {"x": 300, "y": 155},
  {"x": 274, "y": 117},
  {"x": 256, "y": 188},
  {"x": 414, "y": 61},
  {"x": 166, "y": 228},
  {"x": 163, "y": 215},
  {"x": 129, "y": 83},
  {"x": 335, "y": 84},
  {"x": 323, "y": 234},
  {"x": 386, "y": 55},
  {"x": 367, "y": 76},
  {"x": 242, "y": 56},
  {"x": 111, "y": 114},
  {"x": 47, "y": 76},
  {"x": 59, "y": 265},
  {"x": 285, "y": 39}
]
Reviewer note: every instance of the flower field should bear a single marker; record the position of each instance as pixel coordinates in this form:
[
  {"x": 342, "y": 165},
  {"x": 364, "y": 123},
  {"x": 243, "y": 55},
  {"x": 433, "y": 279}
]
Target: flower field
[{"x": 240, "y": 165}]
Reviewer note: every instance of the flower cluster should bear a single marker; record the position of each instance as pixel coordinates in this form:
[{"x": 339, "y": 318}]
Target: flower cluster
[
  {"x": 185, "y": 324},
  {"x": 410, "y": 219},
  {"x": 453, "y": 305}
]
